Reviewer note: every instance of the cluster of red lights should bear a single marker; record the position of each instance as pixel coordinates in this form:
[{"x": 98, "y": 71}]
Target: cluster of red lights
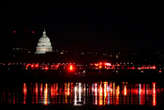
[
  {"x": 69, "y": 67},
  {"x": 32, "y": 66},
  {"x": 101, "y": 65},
  {"x": 107, "y": 65}
]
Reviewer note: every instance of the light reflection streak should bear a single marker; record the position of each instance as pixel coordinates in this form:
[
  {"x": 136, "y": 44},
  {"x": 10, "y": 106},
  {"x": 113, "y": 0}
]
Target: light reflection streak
[
  {"x": 80, "y": 92},
  {"x": 24, "y": 93},
  {"x": 125, "y": 90},
  {"x": 65, "y": 92},
  {"x": 68, "y": 89},
  {"x": 117, "y": 94},
  {"x": 108, "y": 90},
  {"x": 101, "y": 93},
  {"x": 41, "y": 89},
  {"x": 46, "y": 94},
  {"x": 111, "y": 93},
  {"x": 139, "y": 93},
  {"x": 95, "y": 93},
  {"x": 105, "y": 92},
  {"x": 78, "y": 95},
  {"x": 154, "y": 94},
  {"x": 36, "y": 93},
  {"x": 114, "y": 93},
  {"x": 75, "y": 96}
]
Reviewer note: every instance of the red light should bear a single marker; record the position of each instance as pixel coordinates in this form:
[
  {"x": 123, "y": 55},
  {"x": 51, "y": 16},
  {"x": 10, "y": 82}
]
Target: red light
[
  {"x": 32, "y": 66},
  {"x": 25, "y": 93},
  {"x": 36, "y": 65},
  {"x": 100, "y": 63},
  {"x": 154, "y": 67},
  {"x": 24, "y": 89},
  {"x": 71, "y": 68},
  {"x": 160, "y": 71},
  {"x": 154, "y": 94},
  {"x": 57, "y": 66},
  {"x": 142, "y": 67},
  {"x": 52, "y": 91},
  {"x": 27, "y": 66},
  {"x": 100, "y": 67},
  {"x": 46, "y": 68},
  {"x": 132, "y": 67}
]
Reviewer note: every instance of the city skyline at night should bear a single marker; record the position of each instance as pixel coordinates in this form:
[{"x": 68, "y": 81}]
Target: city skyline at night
[{"x": 66, "y": 56}]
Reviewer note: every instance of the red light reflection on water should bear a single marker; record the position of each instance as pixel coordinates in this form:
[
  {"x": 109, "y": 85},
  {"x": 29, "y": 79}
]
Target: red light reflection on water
[
  {"x": 154, "y": 94},
  {"x": 141, "y": 94},
  {"x": 109, "y": 94},
  {"x": 46, "y": 94},
  {"x": 95, "y": 93},
  {"x": 24, "y": 93},
  {"x": 117, "y": 94},
  {"x": 101, "y": 93},
  {"x": 125, "y": 90},
  {"x": 105, "y": 92},
  {"x": 66, "y": 92},
  {"x": 36, "y": 93}
]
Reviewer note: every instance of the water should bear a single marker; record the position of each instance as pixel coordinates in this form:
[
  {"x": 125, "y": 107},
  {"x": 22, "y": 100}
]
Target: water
[{"x": 78, "y": 94}]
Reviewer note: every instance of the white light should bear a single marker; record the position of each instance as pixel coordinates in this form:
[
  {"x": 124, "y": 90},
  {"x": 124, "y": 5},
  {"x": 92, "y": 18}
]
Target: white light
[
  {"x": 108, "y": 64},
  {"x": 80, "y": 92},
  {"x": 75, "y": 97}
]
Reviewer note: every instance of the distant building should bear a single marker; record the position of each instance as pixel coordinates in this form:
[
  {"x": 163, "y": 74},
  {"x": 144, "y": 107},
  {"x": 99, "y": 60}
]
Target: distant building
[{"x": 44, "y": 44}]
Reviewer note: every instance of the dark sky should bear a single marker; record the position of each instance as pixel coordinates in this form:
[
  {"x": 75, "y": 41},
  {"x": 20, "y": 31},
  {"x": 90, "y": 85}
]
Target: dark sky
[{"x": 121, "y": 26}]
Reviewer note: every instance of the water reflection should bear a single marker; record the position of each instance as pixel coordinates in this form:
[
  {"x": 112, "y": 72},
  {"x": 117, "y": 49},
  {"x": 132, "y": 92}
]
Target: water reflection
[{"x": 80, "y": 93}]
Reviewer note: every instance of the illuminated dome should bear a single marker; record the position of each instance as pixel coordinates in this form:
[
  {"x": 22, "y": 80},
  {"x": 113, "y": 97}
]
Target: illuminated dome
[{"x": 44, "y": 44}]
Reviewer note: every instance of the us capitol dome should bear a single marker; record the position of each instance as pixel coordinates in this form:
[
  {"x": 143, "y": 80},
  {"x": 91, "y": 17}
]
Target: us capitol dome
[{"x": 44, "y": 44}]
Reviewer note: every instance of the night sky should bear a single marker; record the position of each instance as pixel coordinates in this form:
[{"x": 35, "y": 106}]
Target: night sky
[{"x": 83, "y": 27}]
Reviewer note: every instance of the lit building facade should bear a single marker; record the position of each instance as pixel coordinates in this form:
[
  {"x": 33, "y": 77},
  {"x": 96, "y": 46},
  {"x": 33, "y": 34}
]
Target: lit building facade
[{"x": 44, "y": 44}]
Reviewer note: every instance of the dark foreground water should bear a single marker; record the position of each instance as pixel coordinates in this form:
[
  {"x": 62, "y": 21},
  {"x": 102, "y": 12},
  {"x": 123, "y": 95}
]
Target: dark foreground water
[{"x": 85, "y": 95}]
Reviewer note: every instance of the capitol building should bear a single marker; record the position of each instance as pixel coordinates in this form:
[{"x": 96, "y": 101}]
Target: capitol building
[
  {"x": 44, "y": 44},
  {"x": 44, "y": 51}
]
